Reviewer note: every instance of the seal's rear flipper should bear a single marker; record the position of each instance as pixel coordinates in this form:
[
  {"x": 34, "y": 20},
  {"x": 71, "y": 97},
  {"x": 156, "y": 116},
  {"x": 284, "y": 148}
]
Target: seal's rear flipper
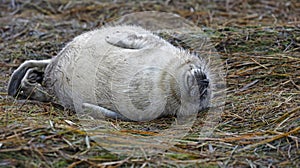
[{"x": 26, "y": 77}]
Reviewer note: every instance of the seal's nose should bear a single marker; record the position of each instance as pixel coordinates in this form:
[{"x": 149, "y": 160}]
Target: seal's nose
[
  {"x": 201, "y": 78},
  {"x": 204, "y": 83}
]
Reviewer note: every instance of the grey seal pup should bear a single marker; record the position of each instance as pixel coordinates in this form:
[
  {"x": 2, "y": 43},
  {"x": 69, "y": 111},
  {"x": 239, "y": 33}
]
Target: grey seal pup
[{"x": 122, "y": 71}]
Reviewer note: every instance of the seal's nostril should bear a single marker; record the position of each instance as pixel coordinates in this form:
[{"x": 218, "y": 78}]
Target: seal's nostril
[{"x": 204, "y": 82}]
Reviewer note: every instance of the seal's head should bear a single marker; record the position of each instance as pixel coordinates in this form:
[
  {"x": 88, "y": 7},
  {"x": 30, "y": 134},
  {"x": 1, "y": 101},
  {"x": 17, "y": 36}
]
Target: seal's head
[
  {"x": 197, "y": 85},
  {"x": 194, "y": 84}
]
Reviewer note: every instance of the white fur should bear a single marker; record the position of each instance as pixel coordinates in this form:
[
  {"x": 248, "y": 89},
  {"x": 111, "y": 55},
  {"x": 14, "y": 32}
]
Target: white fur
[{"x": 126, "y": 70}]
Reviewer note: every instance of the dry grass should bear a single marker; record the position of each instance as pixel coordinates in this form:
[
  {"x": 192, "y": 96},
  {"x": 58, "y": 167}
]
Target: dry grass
[{"x": 258, "y": 41}]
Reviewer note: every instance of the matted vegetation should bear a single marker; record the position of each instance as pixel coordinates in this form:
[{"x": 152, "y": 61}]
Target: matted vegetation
[{"x": 258, "y": 41}]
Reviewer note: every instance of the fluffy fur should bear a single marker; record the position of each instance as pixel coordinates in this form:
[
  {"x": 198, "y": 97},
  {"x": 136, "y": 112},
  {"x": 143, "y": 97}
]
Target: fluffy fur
[{"x": 128, "y": 71}]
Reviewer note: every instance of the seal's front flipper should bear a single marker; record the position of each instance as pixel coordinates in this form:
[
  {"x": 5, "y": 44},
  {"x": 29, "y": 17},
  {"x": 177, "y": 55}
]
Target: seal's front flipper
[
  {"x": 27, "y": 76},
  {"x": 100, "y": 112},
  {"x": 133, "y": 40}
]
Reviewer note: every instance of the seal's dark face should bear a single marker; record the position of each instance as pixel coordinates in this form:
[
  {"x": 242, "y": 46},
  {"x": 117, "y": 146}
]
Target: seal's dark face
[{"x": 197, "y": 84}]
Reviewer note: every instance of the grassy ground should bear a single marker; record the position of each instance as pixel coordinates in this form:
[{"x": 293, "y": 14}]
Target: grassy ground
[{"x": 259, "y": 43}]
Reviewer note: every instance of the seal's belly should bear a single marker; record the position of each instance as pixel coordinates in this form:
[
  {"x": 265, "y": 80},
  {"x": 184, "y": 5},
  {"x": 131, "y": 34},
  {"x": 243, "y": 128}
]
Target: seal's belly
[{"x": 147, "y": 81}]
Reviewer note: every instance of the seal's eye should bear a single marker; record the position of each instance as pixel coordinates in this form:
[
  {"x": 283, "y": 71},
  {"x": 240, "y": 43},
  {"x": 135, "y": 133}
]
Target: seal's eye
[
  {"x": 190, "y": 79},
  {"x": 191, "y": 84}
]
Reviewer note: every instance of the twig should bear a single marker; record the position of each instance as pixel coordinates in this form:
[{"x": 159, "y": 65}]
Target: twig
[
  {"x": 246, "y": 87},
  {"x": 296, "y": 130}
]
